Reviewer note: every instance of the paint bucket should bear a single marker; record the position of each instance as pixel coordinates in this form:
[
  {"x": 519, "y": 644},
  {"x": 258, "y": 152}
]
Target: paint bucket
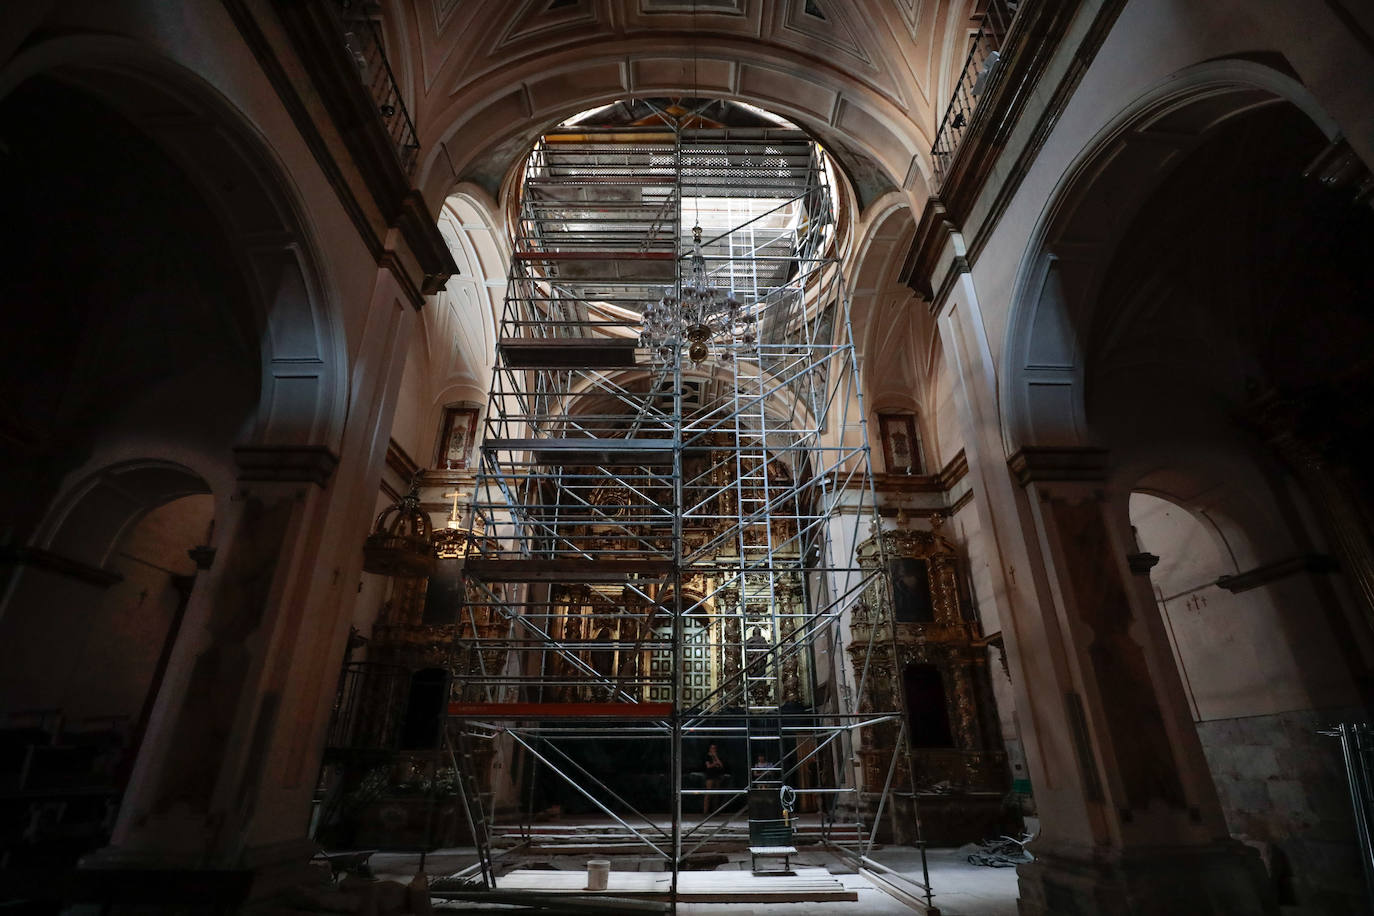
[{"x": 598, "y": 874}]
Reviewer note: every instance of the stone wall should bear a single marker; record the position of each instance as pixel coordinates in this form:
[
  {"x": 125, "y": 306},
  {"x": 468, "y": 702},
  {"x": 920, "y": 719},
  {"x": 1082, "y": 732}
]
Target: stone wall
[{"x": 1283, "y": 790}]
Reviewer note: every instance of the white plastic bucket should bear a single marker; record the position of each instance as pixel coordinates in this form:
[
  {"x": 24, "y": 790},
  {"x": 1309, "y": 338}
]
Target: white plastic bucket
[{"x": 598, "y": 874}]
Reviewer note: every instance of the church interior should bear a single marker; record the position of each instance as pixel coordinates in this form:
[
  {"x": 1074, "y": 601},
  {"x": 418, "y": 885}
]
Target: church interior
[{"x": 694, "y": 456}]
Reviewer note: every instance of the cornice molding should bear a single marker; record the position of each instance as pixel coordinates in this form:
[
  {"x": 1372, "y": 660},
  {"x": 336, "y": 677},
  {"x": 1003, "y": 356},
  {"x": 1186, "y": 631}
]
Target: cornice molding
[
  {"x": 316, "y": 33},
  {"x": 272, "y": 68},
  {"x": 958, "y": 266},
  {"x": 1063, "y": 92},
  {"x": 421, "y": 232},
  {"x": 400, "y": 462},
  {"x": 1279, "y": 569},
  {"x": 932, "y": 231},
  {"x": 940, "y": 482},
  {"x": 1024, "y": 63},
  {"x": 313, "y": 31},
  {"x": 957, "y": 506},
  {"x": 1038, "y": 465},
  {"x": 286, "y": 463},
  {"x": 49, "y": 561},
  {"x": 1031, "y": 45},
  {"x": 954, "y": 471}
]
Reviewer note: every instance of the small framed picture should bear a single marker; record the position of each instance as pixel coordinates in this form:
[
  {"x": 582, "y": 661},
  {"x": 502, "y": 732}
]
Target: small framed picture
[
  {"x": 457, "y": 436},
  {"x": 901, "y": 448}
]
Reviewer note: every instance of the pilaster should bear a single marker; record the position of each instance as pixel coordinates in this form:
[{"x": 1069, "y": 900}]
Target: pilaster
[{"x": 1159, "y": 842}]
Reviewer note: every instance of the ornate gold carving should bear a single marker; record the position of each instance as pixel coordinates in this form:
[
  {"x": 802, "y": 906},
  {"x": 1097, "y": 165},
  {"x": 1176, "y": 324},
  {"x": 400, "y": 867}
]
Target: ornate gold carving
[{"x": 948, "y": 642}]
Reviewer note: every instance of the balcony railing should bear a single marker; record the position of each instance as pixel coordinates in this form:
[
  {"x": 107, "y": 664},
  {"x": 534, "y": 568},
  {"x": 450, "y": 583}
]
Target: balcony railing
[
  {"x": 980, "y": 68},
  {"x": 363, "y": 38}
]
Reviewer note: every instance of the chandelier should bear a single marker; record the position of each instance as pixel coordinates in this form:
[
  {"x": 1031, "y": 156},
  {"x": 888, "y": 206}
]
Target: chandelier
[{"x": 704, "y": 319}]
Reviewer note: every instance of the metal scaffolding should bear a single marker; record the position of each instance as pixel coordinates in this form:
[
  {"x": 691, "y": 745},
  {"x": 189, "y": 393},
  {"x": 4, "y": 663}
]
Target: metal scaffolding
[{"x": 663, "y": 547}]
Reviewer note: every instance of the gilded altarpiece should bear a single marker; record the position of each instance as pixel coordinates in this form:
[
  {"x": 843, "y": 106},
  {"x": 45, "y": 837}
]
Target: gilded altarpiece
[
  {"x": 396, "y": 774},
  {"x": 616, "y": 643},
  {"x": 929, "y": 653}
]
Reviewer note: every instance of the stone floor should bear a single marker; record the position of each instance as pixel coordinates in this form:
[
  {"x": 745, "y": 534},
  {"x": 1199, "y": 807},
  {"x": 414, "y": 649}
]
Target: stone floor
[{"x": 960, "y": 889}]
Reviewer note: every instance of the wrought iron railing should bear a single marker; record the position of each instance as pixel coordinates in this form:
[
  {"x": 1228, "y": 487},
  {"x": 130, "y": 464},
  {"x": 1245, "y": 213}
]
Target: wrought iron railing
[
  {"x": 980, "y": 68},
  {"x": 363, "y": 39}
]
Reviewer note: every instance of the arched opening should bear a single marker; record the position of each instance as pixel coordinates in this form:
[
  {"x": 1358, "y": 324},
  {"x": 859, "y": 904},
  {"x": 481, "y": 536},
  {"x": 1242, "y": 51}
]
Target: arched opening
[
  {"x": 84, "y": 649},
  {"x": 1217, "y": 290},
  {"x": 1262, "y": 674},
  {"x": 102, "y": 340},
  {"x": 151, "y": 310}
]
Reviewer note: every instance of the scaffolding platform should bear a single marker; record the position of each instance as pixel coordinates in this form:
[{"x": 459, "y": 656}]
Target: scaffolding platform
[
  {"x": 587, "y": 451},
  {"x": 560, "y": 710},
  {"x": 565, "y": 570},
  {"x": 569, "y": 353}
]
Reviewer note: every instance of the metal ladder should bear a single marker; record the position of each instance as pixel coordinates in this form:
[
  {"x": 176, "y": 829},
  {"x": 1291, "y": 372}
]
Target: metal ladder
[
  {"x": 760, "y": 650},
  {"x": 459, "y": 746}
]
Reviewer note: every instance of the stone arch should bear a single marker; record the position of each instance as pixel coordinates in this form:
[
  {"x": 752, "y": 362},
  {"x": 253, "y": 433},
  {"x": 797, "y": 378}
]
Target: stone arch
[
  {"x": 1071, "y": 248},
  {"x": 462, "y": 326},
  {"x": 1224, "y": 486},
  {"x": 303, "y": 395},
  {"x": 878, "y": 300},
  {"x": 89, "y": 633},
  {"x": 877, "y": 144},
  {"x": 91, "y": 516}
]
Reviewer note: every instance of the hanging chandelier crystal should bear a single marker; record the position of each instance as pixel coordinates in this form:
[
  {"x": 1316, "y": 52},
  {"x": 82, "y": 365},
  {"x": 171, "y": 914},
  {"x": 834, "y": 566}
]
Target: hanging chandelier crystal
[{"x": 707, "y": 321}]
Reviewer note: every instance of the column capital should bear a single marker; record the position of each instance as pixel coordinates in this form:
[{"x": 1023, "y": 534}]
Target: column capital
[
  {"x": 1035, "y": 464},
  {"x": 1141, "y": 562},
  {"x": 286, "y": 463}
]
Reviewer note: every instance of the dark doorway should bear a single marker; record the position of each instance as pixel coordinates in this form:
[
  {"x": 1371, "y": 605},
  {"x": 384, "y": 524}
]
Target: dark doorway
[
  {"x": 926, "y": 707},
  {"x": 424, "y": 709}
]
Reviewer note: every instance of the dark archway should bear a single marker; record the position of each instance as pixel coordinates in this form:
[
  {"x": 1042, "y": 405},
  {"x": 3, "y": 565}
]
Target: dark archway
[
  {"x": 83, "y": 657},
  {"x": 1227, "y": 352},
  {"x": 122, "y": 303}
]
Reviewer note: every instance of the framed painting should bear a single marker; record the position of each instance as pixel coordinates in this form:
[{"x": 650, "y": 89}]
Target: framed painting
[
  {"x": 457, "y": 436},
  {"x": 911, "y": 601},
  {"x": 901, "y": 448}
]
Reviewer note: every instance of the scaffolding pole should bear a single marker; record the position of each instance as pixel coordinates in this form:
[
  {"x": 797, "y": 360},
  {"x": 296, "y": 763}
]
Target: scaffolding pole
[{"x": 663, "y": 547}]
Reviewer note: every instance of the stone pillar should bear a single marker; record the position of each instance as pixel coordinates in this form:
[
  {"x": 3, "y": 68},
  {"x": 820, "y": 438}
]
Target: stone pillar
[
  {"x": 227, "y": 770},
  {"x": 1156, "y": 840},
  {"x": 175, "y": 812},
  {"x": 1130, "y": 822}
]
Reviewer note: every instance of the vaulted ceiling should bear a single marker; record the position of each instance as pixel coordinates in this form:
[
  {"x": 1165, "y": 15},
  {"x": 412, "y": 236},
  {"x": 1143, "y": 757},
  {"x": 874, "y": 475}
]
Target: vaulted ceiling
[{"x": 866, "y": 77}]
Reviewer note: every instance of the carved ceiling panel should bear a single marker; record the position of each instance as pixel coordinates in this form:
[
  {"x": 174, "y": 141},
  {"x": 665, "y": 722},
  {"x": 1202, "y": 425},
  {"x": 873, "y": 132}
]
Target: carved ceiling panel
[{"x": 873, "y": 41}]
